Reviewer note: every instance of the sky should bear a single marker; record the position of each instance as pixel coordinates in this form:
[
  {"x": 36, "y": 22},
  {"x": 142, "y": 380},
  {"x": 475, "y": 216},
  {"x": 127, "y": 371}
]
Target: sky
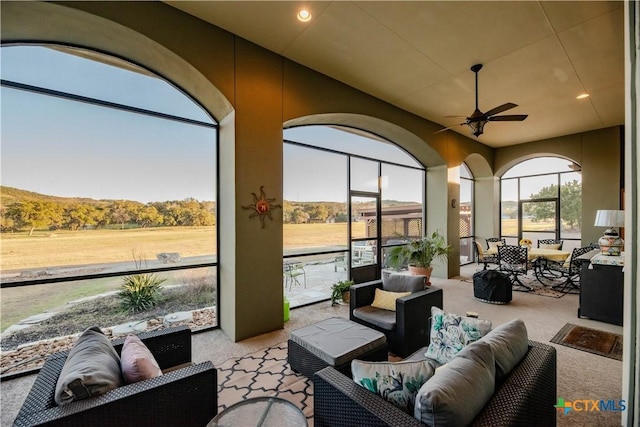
[
  {"x": 64, "y": 148},
  {"x": 73, "y": 149}
]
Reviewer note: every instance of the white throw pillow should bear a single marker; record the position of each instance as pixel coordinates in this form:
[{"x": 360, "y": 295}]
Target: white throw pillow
[
  {"x": 450, "y": 333},
  {"x": 396, "y": 382}
]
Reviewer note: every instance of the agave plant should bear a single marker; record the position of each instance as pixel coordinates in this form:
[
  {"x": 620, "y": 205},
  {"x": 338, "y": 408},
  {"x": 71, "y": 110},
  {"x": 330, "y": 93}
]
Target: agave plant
[{"x": 139, "y": 292}]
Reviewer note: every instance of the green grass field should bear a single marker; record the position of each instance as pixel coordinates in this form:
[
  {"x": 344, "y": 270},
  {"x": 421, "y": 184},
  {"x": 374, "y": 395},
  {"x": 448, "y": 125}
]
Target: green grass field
[
  {"x": 47, "y": 249},
  {"x": 19, "y": 251},
  {"x": 67, "y": 248}
]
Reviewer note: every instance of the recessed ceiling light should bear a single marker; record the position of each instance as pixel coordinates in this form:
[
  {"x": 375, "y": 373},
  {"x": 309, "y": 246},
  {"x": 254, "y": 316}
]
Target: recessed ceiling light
[
  {"x": 582, "y": 96},
  {"x": 304, "y": 15}
]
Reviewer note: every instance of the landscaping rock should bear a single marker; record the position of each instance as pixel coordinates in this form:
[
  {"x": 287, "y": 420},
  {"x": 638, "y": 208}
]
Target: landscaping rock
[{"x": 168, "y": 257}]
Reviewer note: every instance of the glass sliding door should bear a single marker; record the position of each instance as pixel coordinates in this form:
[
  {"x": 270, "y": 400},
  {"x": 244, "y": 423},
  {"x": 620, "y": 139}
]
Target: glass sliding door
[{"x": 365, "y": 232}]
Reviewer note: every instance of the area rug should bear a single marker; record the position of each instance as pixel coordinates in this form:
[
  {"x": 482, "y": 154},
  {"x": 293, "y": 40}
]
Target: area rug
[
  {"x": 603, "y": 343},
  {"x": 264, "y": 373}
]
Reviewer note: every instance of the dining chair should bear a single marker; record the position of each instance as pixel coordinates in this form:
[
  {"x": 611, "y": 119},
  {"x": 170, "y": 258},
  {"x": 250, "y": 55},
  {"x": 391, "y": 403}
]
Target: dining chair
[
  {"x": 514, "y": 260},
  {"x": 495, "y": 241},
  {"x": 292, "y": 271},
  {"x": 483, "y": 258},
  {"x": 563, "y": 276},
  {"x": 550, "y": 243}
]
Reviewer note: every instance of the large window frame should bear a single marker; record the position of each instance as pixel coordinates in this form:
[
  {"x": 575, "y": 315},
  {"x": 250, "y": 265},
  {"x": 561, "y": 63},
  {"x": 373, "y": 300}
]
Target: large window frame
[
  {"x": 139, "y": 268},
  {"x": 345, "y": 251},
  {"x": 558, "y": 233}
]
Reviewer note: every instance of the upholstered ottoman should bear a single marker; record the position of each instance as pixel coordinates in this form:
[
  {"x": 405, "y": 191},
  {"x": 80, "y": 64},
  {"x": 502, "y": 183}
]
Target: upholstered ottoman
[{"x": 334, "y": 342}]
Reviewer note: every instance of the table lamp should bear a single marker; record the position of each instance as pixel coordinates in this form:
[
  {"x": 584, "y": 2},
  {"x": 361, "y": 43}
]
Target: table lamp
[{"x": 610, "y": 243}]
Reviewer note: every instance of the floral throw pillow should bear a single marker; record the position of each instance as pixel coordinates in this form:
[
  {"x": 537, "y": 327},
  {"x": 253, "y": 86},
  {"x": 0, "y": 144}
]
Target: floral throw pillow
[
  {"x": 450, "y": 333},
  {"x": 396, "y": 382}
]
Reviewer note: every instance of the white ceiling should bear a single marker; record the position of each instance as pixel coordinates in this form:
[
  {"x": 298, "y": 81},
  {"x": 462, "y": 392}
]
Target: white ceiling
[{"x": 417, "y": 55}]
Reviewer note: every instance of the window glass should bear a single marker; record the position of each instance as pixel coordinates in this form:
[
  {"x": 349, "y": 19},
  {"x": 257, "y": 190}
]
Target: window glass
[
  {"x": 539, "y": 187},
  {"x": 76, "y": 71},
  {"x": 571, "y": 205},
  {"x": 350, "y": 141},
  {"x": 539, "y": 165},
  {"x": 315, "y": 199},
  {"x": 467, "y": 252},
  {"x": 550, "y": 192},
  {"x": 509, "y": 207},
  {"x": 401, "y": 203},
  {"x": 94, "y": 194},
  {"x": 364, "y": 175},
  {"x": 317, "y": 162}
]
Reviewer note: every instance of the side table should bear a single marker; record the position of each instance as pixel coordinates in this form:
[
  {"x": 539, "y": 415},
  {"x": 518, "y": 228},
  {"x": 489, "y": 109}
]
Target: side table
[{"x": 260, "y": 411}]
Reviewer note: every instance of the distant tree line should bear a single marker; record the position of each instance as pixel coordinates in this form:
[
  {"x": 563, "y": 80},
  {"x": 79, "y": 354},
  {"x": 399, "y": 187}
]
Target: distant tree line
[
  {"x": 313, "y": 212},
  {"x": 38, "y": 214},
  {"x": 24, "y": 210}
]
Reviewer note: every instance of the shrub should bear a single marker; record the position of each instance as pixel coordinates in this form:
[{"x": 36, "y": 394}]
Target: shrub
[{"x": 139, "y": 292}]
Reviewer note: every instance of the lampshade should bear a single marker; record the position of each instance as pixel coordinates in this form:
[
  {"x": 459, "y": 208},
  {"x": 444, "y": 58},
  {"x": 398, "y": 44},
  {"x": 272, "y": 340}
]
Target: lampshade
[
  {"x": 609, "y": 218},
  {"x": 610, "y": 243}
]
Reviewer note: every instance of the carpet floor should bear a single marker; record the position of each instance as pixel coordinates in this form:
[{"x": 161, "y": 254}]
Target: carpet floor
[{"x": 594, "y": 341}]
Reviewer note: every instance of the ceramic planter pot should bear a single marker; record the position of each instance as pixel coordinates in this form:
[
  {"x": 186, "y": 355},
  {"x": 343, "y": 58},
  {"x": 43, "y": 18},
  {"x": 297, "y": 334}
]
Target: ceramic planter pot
[{"x": 421, "y": 271}]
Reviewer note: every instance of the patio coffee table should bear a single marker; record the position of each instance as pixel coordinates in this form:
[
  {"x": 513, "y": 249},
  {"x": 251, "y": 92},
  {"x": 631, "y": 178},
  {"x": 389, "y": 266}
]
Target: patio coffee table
[
  {"x": 334, "y": 342},
  {"x": 260, "y": 412}
]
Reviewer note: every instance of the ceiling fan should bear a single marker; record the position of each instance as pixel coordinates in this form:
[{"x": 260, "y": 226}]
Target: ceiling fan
[{"x": 478, "y": 119}]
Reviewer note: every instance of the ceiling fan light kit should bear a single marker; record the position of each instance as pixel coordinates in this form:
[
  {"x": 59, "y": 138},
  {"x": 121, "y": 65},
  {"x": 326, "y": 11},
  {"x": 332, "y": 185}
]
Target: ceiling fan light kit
[{"x": 478, "y": 119}]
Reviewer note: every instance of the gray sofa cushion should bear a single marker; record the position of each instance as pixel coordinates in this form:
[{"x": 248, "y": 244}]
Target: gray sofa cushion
[
  {"x": 456, "y": 394},
  {"x": 509, "y": 343},
  {"x": 403, "y": 282}
]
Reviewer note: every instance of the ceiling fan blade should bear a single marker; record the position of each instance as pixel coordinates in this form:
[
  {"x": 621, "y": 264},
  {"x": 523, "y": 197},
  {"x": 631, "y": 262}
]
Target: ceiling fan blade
[
  {"x": 508, "y": 118},
  {"x": 450, "y": 127},
  {"x": 501, "y": 108},
  {"x": 455, "y": 117}
]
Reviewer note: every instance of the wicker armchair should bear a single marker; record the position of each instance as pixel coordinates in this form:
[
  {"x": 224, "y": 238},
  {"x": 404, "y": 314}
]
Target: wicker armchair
[
  {"x": 186, "y": 396},
  {"x": 406, "y": 329},
  {"x": 525, "y": 398}
]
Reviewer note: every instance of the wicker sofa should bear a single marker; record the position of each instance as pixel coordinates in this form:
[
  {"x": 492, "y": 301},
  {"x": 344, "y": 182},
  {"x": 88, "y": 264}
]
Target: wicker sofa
[
  {"x": 525, "y": 398},
  {"x": 186, "y": 396}
]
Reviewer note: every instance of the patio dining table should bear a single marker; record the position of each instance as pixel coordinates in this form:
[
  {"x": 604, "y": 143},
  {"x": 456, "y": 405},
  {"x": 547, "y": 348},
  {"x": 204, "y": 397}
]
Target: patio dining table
[{"x": 535, "y": 253}]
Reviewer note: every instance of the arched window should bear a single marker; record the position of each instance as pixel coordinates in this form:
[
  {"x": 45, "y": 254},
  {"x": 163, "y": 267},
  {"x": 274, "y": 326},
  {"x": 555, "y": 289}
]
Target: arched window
[
  {"x": 109, "y": 178},
  {"x": 348, "y": 196},
  {"x": 541, "y": 198}
]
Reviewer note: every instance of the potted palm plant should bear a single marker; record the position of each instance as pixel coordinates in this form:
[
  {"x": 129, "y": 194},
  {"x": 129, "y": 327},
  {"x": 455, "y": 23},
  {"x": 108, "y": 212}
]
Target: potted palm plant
[
  {"x": 420, "y": 254},
  {"x": 340, "y": 291}
]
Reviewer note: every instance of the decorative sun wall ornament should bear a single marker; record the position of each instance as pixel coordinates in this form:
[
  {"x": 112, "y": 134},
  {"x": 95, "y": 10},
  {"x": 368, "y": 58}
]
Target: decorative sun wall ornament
[{"x": 262, "y": 206}]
